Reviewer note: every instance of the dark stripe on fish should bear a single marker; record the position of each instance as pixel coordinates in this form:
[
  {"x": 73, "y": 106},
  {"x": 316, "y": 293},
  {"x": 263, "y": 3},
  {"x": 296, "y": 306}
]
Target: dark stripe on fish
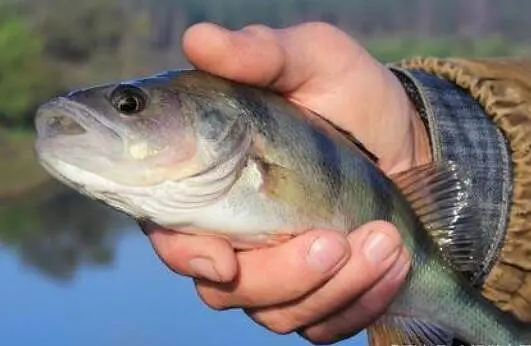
[
  {"x": 329, "y": 162},
  {"x": 265, "y": 123},
  {"x": 350, "y": 137},
  {"x": 382, "y": 211}
]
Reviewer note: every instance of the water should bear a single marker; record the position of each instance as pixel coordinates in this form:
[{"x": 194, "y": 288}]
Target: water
[{"x": 73, "y": 272}]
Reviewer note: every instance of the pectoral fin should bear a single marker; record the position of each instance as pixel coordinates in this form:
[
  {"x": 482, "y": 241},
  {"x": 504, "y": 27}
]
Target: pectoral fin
[{"x": 440, "y": 195}]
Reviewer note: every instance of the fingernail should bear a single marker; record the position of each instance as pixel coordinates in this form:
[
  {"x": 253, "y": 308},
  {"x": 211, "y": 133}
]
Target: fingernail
[
  {"x": 204, "y": 268},
  {"x": 325, "y": 253},
  {"x": 379, "y": 246},
  {"x": 400, "y": 267}
]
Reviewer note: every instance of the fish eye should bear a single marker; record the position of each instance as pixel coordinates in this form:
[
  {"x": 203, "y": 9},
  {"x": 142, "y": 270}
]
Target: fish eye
[{"x": 128, "y": 99}]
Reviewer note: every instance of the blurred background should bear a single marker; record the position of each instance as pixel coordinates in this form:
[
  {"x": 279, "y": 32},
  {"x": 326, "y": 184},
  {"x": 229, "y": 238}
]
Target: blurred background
[{"x": 73, "y": 272}]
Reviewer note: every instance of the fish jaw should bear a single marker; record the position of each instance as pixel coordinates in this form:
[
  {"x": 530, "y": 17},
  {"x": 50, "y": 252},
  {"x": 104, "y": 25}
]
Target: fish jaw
[
  {"x": 170, "y": 203},
  {"x": 208, "y": 201},
  {"x": 66, "y": 129},
  {"x": 61, "y": 117},
  {"x": 84, "y": 129}
]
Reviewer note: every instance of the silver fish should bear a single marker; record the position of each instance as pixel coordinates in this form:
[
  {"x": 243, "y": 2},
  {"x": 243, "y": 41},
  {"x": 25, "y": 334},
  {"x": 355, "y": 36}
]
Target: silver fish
[{"x": 203, "y": 155}]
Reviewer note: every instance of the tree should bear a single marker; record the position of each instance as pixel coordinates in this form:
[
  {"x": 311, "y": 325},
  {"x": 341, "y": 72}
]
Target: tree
[
  {"x": 22, "y": 70},
  {"x": 74, "y": 32}
]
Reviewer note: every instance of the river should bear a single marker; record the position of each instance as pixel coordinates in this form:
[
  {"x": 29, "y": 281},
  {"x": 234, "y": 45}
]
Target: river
[{"x": 74, "y": 272}]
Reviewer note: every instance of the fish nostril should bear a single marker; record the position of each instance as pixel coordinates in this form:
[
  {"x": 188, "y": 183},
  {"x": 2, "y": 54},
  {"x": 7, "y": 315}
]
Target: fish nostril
[{"x": 63, "y": 125}]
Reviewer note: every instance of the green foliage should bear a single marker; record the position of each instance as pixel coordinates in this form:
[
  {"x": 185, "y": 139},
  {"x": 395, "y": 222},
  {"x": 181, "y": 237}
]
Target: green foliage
[
  {"x": 19, "y": 171},
  {"x": 88, "y": 27},
  {"x": 22, "y": 69},
  {"x": 52, "y": 45}
]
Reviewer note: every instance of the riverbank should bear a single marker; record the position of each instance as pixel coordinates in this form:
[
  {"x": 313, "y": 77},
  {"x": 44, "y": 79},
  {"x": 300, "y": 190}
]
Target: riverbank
[{"x": 20, "y": 172}]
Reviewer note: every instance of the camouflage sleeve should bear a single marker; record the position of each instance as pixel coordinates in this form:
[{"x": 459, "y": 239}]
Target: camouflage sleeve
[{"x": 478, "y": 114}]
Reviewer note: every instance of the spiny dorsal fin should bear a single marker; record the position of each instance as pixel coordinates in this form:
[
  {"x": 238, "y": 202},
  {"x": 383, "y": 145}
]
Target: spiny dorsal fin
[
  {"x": 400, "y": 330},
  {"x": 439, "y": 194},
  {"x": 350, "y": 137}
]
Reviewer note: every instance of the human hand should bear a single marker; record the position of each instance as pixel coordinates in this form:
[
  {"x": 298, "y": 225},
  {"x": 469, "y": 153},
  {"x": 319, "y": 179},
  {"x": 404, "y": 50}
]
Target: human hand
[{"x": 321, "y": 284}]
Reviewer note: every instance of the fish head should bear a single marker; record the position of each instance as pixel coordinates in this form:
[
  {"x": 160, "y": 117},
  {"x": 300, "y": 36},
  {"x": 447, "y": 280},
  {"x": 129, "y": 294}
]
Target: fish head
[{"x": 139, "y": 133}]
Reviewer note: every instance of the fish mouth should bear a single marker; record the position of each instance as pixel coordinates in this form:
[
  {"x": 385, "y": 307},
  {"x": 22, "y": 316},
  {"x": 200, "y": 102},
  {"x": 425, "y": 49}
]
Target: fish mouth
[
  {"x": 61, "y": 117},
  {"x": 66, "y": 128},
  {"x": 75, "y": 144},
  {"x": 71, "y": 133}
]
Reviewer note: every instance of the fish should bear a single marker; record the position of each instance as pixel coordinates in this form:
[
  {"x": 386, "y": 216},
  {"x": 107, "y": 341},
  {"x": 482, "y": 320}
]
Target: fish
[{"x": 203, "y": 155}]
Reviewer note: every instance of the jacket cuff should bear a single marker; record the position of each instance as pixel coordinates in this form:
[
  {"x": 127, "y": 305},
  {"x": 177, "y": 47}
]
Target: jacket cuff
[
  {"x": 503, "y": 88},
  {"x": 461, "y": 131}
]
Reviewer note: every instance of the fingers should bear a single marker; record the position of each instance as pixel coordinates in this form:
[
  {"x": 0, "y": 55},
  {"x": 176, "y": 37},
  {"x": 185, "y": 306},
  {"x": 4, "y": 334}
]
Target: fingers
[
  {"x": 374, "y": 252},
  {"x": 282, "y": 273},
  {"x": 292, "y": 292},
  {"x": 209, "y": 258},
  {"x": 362, "y": 311},
  {"x": 321, "y": 284}
]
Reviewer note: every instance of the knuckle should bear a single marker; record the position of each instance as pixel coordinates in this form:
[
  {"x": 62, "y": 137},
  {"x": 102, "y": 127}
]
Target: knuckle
[
  {"x": 215, "y": 304},
  {"x": 318, "y": 336},
  {"x": 213, "y": 299},
  {"x": 274, "y": 321},
  {"x": 260, "y": 30},
  {"x": 322, "y": 335},
  {"x": 172, "y": 263},
  {"x": 370, "y": 308},
  {"x": 318, "y": 27},
  {"x": 331, "y": 35},
  {"x": 280, "y": 327}
]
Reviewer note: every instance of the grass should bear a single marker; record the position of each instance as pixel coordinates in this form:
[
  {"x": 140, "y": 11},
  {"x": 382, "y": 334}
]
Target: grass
[{"x": 20, "y": 173}]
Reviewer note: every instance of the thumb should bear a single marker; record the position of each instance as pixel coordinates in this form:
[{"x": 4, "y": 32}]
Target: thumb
[
  {"x": 285, "y": 59},
  {"x": 315, "y": 65}
]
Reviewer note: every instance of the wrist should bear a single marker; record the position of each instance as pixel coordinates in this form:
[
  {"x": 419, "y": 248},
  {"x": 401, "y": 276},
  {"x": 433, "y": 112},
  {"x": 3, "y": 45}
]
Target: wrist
[
  {"x": 422, "y": 151},
  {"x": 421, "y": 141}
]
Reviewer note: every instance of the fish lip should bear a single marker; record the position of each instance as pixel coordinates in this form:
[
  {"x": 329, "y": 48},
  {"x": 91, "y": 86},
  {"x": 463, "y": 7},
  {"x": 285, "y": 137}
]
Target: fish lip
[{"x": 82, "y": 115}]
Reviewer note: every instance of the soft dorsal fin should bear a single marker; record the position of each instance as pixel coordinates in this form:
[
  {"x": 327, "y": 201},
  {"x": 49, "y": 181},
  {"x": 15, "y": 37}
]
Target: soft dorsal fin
[
  {"x": 439, "y": 194},
  {"x": 401, "y": 330}
]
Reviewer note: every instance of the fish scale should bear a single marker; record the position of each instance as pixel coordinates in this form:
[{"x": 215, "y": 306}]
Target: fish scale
[{"x": 200, "y": 154}]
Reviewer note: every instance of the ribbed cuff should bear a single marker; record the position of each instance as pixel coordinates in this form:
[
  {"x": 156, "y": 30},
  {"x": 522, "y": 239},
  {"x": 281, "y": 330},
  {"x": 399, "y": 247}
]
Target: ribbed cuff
[{"x": 461, "y": 131}]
